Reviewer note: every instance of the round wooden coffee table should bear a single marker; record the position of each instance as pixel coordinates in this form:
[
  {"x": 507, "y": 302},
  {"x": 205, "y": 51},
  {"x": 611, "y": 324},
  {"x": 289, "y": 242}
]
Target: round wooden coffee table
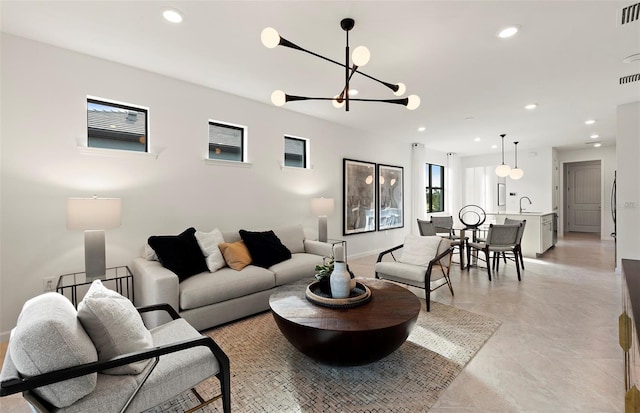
[{"x": 347, "y": 337}]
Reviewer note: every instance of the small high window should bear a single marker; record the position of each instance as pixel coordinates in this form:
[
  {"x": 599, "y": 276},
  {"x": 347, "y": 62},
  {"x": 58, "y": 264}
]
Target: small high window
[
  {"x": 116, "y": 126},
  {"x": 296, "y": 152},
  {"x": 226, "y": 142},
  {"x": 434, "y": 177}
]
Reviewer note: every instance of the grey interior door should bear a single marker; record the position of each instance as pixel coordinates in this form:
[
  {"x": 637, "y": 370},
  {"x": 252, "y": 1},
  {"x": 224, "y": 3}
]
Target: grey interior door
[{"x": 583, "y": 196}]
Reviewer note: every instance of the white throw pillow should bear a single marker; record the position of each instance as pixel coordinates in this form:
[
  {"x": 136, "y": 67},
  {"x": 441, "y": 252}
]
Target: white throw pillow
[
  {"x": 48, "y": 337},
  {"x": 149, "y": 253},
  {"x": 209, "y": 242},
  {"x": 114, "y": 325},
  {"x": 419, "y": 250}
]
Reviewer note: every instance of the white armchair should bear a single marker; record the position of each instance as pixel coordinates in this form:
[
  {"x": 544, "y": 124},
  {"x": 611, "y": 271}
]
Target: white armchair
[
  {"x": 422, "y": 262},
  {"x": 52, "y": 360}
]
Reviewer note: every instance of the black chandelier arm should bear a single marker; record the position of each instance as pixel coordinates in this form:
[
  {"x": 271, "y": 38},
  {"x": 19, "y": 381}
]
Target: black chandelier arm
[
  {"x": 400, "y": 101},
  {"x": 286, "y": 43}
]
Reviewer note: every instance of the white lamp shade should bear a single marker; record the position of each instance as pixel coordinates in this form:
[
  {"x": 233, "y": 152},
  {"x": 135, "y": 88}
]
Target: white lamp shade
[
  {"x": 516, "y": 173},
  {"x": 503, "y": 170},
  {"x": 322, "y": 206},
  {"x": 93, "y": 213}
]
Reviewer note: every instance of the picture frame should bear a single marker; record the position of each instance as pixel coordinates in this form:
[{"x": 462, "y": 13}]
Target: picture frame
[
  {"x": 359, "y": 213},
  {"x": 390, "y": 202},
  {"x": 502, "y": 194}
]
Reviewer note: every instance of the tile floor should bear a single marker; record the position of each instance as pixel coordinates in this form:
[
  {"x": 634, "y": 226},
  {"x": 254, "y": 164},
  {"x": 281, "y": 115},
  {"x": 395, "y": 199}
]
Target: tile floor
[{"x": 557, "y": 348}]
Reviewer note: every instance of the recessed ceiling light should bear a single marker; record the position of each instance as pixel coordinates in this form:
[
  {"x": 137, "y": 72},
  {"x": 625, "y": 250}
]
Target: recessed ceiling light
[
  {"x": 597, "y": 145},
  {"x": 590, "y": 122},
  {"x": 507, "y": 32},
  {"x": 531, "y": 106},
  {"x": 422, "y": 129},
  {"x": 353, "y": 92},
  {"x": 477, "y": 139},
  {"x": 172, "y": 15},
  {"x": 594, "y": 136},
  {"x": 494, "y": 146}
]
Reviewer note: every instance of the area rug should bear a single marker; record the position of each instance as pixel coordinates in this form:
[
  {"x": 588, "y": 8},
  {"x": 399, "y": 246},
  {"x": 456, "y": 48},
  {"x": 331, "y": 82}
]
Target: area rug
[{"x": 269, "y": 375}]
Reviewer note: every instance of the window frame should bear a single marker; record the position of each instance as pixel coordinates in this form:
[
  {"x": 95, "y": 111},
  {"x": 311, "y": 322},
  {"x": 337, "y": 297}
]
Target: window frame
[
  {"x": 243, "y": 140},
  {"x": 121, "y": 105},
  {"x": 306, "y": 156},
  {"x": 429, "y": 188}
]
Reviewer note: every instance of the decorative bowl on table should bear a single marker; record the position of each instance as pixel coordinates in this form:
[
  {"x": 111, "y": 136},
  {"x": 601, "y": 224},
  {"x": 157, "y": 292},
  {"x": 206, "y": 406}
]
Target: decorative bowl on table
[{"x": 320, "y": 294}]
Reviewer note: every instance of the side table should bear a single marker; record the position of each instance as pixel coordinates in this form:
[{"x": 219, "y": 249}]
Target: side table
[{"x": 119, "y": 279}]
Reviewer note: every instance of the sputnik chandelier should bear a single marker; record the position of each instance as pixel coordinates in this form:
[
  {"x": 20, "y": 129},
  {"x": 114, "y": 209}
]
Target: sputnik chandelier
[{"x": 360, "y": 57}]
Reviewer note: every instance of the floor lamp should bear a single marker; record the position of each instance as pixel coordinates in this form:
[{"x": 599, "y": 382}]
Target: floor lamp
[
  {"x": 321, "y": 207},
  {"x": 94, "y": 215}
]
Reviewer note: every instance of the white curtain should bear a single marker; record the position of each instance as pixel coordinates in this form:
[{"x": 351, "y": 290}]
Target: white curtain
[{"x": 418, "y": 199}]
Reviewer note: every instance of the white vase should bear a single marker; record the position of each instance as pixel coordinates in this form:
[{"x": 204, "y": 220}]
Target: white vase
[{"x": 340, "y": 281}]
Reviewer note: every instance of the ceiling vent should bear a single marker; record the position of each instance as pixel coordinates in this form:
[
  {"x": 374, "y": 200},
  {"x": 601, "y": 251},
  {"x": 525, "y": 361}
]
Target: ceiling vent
[
  {"x": 630, "y": 14},
  {"x": 630, "y": 79}
]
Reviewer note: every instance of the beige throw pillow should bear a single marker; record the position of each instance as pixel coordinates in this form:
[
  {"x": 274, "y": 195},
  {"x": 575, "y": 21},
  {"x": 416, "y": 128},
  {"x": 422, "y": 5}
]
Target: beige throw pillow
[
  {"x": 235, "y": 254},
  {"x": 419, "y": 250}
]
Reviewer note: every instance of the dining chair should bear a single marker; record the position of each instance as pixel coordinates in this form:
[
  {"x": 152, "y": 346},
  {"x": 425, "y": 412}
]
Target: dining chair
[
  {"x": 426, "y": 228},
  {"x": 443, "y": 226},
  {"x": 518, "y": 255},
  {"x": 500, "y": 238}
]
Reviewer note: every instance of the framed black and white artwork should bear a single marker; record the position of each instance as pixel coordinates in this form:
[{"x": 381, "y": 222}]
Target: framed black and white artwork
[
  {"x": 359, "y": 197},
  {"x": 390, "y": 197}
]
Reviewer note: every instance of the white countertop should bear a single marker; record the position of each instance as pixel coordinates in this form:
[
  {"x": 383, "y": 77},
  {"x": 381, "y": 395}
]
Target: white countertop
[{"x": 524, "y": 213}]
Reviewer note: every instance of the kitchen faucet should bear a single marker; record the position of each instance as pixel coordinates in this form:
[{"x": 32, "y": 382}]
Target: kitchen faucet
[{"x": 524, "y": 197}]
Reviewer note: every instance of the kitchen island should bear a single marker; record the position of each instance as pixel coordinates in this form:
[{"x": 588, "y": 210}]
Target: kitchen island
[{"x": 539, "y": 232}]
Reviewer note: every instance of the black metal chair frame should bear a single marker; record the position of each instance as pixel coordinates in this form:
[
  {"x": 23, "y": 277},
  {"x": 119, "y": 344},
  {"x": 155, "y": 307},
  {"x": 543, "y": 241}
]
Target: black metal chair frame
[
  {"x": 427, "y": 273},
  {"x": 25, "y": 384}
]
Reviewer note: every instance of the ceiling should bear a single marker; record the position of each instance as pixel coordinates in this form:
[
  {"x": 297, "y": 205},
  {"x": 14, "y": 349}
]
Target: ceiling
[{"x": 567, "y": 58}]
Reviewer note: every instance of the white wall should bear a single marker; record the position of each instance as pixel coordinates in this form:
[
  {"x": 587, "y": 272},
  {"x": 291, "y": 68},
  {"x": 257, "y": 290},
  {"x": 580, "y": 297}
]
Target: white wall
[
  {"x": 628, "y": 182},
  {"x": 43, "y": 107},
  {"x": 536, "y": 182},
  {"x": 607, "y": 158}
]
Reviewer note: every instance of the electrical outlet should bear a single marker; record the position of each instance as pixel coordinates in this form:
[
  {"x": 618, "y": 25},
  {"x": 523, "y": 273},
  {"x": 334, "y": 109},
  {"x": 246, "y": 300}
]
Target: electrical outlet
[{"x": 49, "y": 284}]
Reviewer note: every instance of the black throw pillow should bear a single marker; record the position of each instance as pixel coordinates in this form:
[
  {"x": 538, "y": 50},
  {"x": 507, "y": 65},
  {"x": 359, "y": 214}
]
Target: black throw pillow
[
  {"x": 265, "y": 248},
  {"x": 180, "y": 253}
]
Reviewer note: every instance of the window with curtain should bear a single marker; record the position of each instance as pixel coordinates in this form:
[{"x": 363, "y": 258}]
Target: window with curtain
[{"x": 434, "y": 178}]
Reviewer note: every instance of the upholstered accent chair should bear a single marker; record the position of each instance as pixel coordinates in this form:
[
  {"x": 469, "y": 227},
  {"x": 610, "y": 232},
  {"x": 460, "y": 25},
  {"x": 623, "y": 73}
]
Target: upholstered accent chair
[
  {"x": 422, "y": 261},
  {"x": 55, "y": 362}
]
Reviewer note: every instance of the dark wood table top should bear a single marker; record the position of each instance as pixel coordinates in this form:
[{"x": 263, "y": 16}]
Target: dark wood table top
[{"x": 390, "y": 306}]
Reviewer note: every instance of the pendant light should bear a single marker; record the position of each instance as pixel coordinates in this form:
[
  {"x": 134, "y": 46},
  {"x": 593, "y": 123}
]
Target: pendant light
[
  {"x": 516, "y": 173},
  {"x": 503, "y": 170}
]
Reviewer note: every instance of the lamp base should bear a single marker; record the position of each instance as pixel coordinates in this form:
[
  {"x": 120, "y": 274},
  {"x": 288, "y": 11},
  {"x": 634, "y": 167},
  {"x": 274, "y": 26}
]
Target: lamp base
[
  {"x": 94, "y": 256},
  {"x": 322, "y": 228}
]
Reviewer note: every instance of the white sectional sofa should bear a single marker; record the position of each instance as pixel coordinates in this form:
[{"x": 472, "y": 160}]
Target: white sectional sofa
[{"x": 209, "y": 299}]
